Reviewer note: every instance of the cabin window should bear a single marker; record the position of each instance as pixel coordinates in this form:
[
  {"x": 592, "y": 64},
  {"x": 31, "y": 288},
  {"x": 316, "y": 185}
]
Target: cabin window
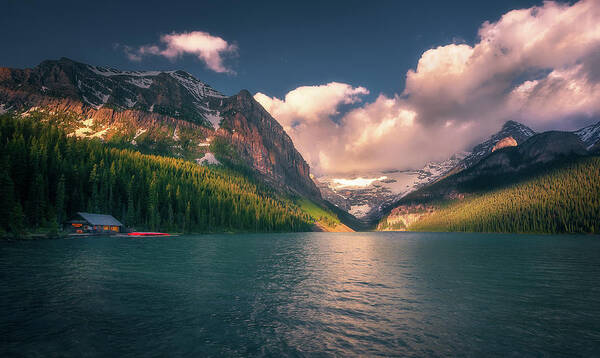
[
  {"x": 114, "y": 228},
  {"x": 105, "y": 227},
  {"x": 77, "y": 225}
]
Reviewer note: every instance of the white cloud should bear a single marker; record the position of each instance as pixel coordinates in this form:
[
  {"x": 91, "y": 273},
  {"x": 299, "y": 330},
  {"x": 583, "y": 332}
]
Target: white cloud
[
  {"x": 208, "y": 48},
  {"x": 465, "y": 82},
  {"x": 311, "y": 103},
  {"x": 539, "y": 65}
]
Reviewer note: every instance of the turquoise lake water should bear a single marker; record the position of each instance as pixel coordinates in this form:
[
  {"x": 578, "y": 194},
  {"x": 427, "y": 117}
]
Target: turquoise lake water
[{"x": 306, "y": 294}]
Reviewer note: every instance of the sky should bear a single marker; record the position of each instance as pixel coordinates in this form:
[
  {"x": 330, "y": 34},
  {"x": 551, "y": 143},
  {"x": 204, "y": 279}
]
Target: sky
[{"x": 357, "y": 85}]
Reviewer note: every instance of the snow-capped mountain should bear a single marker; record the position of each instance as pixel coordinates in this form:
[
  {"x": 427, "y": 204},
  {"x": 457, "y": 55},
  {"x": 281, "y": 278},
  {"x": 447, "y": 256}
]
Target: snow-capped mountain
[
  {"x": 161, "y": 112},
  {"x": 589, "y": 135},
  {"x": 176, "y": 94},
  {"x": 364, "y": 195},
  {"x": 519, "y": 132},
  {"x": 141, "y": 90},
  {"x": 367, "y": 195}
]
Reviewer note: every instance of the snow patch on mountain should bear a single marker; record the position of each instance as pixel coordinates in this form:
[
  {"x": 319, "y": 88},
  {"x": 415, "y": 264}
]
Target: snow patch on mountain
[
  {"x": 129, "y": 103},
  {"x": 198, "y": 89},
  {"x": 108, "y": 72},
  {"x": 208, "y": 158},
  {"x": 138, "y": 133},
  {"x": 98, "y": 90},
  {"x": 85, "y": 130},
  {"x": 589, "y": 135},
  {"x": 214, "y": 118},
  {"x": 360, "y": 210},
  {"x": 142, "y": 82},
  {"x": 365, "y": 195},
  {"x": 95, "y": 97}
]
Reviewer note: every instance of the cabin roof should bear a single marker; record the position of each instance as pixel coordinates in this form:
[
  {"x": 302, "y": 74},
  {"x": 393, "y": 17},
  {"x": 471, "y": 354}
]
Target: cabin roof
[{"x": 100, "y": 219}]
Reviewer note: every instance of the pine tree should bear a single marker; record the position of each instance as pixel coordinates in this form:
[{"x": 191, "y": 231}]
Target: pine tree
[
  {"x": 7, "y": 193},
  {"x": 17, "y": 220},
  {"x": 54, "y": 176},
  {"x": 60, "y": 199},
  {"x": 130, "y": 219}
]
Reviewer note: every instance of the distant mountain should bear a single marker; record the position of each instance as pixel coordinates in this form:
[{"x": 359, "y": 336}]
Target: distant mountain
[
  {"x": 365, "y": 195},
  {"x": 159, "y": 112},
  {"x": 559, "y": 198},
  {"x": 538, "y": 150},
  {"x": 590, "y": 135},
  {"x": 511, "y": 129},
  {"x": 506, "y": 167},
  {"x": 371, "y": 202}
]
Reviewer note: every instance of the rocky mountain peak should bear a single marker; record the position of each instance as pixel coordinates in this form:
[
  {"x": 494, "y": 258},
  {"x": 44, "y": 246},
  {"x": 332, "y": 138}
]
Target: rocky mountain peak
[
  {"x": 590, "y": 135},
  {"x": 517, "y": 131},
  {"x": 245, "y": 94},
  {"x": 258, "y": 137},
  {"x": 539, "y": 149},
  {"x": 177, "y": 94}
]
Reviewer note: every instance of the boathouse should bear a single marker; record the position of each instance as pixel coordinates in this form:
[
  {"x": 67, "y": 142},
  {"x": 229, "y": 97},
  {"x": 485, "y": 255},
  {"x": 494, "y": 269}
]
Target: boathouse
[{"x": 94, "y": 223}]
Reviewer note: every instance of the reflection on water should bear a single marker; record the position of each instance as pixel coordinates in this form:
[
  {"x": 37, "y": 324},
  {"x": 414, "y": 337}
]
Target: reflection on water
[{"x": 390, "y": 294}]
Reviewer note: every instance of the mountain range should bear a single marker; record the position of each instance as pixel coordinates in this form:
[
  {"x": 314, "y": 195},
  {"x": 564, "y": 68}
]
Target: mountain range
[
  {"x": 532, "y": 168},
  {"x": 171, "y": 113},
  {"x": 370, "y": 200},
  {"x": 159, "y": 112}
]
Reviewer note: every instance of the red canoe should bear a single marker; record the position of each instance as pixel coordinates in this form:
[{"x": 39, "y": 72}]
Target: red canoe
[{"x": 148, "y": 234}]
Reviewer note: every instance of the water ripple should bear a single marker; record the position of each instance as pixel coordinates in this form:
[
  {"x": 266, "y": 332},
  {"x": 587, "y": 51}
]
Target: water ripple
[{"x": 314, "y": 294}]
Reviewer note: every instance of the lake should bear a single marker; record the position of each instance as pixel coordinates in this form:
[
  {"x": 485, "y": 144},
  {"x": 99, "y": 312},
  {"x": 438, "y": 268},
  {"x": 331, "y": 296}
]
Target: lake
[{"x": 305, "y": 294}]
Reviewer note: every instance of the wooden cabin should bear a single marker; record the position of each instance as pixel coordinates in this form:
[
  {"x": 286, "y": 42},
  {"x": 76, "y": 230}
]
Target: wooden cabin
[{"x": 87, "y": 223}]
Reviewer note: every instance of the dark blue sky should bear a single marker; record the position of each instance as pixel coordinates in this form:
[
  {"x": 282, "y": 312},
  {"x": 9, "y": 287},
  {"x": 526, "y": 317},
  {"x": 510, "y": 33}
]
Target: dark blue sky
[{"x": 282, "y": 45}]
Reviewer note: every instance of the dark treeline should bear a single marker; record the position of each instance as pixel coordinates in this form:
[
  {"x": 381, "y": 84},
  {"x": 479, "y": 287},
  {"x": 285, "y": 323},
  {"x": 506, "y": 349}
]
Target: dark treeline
[
  {"x": 562, "y": 200},
  {"x": 46, "y": 177}
]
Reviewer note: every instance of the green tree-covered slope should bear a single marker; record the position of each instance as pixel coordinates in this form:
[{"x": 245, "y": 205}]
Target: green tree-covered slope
[
  {"x": 46, "y": 177},
  {"x": 565, "y": 199}
]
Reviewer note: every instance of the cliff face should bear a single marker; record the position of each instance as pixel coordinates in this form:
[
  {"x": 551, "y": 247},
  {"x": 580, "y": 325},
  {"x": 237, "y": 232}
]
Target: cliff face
[
  {"x": 168, "y": 112},
  {"x": 515, "y": 130},
  {"x": 403, "y": 216},
  {"x": 539, "y": 149},
  {"x": 505, "y": 142},
  {"x": 262, "y": 140}
]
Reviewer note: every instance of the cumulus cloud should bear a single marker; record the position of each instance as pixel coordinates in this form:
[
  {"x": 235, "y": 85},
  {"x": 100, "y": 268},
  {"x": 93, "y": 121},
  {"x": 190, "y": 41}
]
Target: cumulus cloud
[
  {"x": 311, "y": 103},
  {"x": 540, "y": 66},
  {"x": 307, "y": 114},
  {"x": 543, "y": 45},
  {"x": 210, "y": 49}
]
